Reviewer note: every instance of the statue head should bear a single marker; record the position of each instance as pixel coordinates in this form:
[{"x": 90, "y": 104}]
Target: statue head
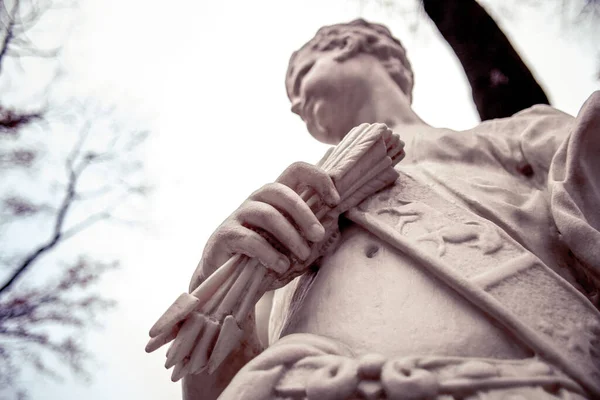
[{"x": 344, "y": 56}]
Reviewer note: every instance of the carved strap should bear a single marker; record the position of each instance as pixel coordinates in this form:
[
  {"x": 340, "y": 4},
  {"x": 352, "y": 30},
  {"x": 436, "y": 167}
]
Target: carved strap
[{"x": 500, "y": 277}]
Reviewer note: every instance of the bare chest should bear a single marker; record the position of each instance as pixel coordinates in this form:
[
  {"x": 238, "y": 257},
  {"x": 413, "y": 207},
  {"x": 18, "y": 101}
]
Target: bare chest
[{"x": 373, "y": 298}]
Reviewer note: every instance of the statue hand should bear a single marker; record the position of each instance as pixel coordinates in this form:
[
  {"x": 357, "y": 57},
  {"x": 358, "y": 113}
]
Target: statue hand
[{"x": 277, "y": 209}]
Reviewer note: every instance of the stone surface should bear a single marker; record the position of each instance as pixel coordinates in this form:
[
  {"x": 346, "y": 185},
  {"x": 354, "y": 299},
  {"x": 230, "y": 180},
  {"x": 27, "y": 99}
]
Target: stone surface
[
  {"x": 475, "y": 274},
  {"x": 313, "y": 367}
]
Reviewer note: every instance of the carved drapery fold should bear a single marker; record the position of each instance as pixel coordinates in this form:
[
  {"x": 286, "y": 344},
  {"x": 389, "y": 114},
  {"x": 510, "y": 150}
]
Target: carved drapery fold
[{"x": 311, "y": 367}]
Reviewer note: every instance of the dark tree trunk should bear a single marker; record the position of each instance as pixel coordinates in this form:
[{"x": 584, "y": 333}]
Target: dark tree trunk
[{"x": 500, "y": 81}]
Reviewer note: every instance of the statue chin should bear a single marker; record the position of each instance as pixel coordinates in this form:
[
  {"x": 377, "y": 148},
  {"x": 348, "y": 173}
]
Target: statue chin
[
  {"x": 326, "y": 124},
  {"x": 328, "y": 135},
  {"x": 315, "y": 123},
  {"x": 317, "y": 131}
]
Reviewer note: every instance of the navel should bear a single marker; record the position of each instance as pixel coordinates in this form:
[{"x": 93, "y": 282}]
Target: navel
[{"x": 371, "y": 250}]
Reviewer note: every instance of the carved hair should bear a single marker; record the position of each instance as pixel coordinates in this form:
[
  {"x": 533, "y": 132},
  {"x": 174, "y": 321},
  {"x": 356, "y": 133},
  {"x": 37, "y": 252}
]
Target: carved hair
[{"x": 350, "y": 39}]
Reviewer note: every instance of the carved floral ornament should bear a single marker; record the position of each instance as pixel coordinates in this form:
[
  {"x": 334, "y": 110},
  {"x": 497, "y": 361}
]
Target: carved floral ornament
[{"x": 299, "y": 367}]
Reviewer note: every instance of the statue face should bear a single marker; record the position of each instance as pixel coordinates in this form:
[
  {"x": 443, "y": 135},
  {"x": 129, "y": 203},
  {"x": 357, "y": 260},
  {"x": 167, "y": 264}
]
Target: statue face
[{"x": 333, "y": 95}]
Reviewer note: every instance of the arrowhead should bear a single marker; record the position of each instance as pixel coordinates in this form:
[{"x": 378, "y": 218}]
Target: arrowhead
[
  {"x": 201, "y": 352},
  {"x": 185, "y": 304},
  {"x": 181, "y": 369},
  {"x": 229, "y": 339},
  {"x": 162, "y": 339},
  {"x": 185, "y": 340}
]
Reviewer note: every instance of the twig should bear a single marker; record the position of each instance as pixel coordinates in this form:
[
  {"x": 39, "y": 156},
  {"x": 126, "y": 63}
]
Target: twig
[
  {"x": 9, "y": 34},
  {"x": 57, "y": 235}
]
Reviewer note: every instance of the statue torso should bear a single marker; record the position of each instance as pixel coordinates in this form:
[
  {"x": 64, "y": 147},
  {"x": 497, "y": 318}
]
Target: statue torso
[
  {"x": 375, "y": 299},
  {"x": 478, "y": 203}
]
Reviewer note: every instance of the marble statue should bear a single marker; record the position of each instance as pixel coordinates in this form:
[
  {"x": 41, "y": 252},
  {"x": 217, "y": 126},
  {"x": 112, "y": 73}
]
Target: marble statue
[{"x": 445, "y": 265}]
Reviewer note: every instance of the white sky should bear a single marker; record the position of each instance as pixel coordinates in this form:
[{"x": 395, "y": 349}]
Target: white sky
[{"x": 209, "y": 78}]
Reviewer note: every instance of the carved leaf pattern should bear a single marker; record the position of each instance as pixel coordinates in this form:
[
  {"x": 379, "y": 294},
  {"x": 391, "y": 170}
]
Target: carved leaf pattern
[
  {"x": 583, "y": 337},
  {"x": 441, "y": 230},
  {"x": 333, "y": 377}
]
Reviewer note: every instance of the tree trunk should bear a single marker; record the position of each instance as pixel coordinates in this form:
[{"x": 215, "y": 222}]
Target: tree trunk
[{"x": 500, "y": 81}]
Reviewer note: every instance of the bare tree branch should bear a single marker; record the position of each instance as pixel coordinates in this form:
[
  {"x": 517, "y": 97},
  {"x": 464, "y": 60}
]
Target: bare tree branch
[
  {"x": 6, "y": 42},
  {"x": 23, "y": 51},
  {"x": 59, "y": 234},
  {"x": 9, "y": 35},
  {"x": 73, "y": 175},
  {"x": 501, "y": 83},
  {"x": 84, "y": 132},
  {"x": 58, "y": 225},
  {"x": 22, "y": 18},
  {"x": 27, "y": 311},
  {"x": 11, "y": 121}
]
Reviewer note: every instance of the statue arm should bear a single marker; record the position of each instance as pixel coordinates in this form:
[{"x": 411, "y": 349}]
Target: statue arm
[
  {"x": 277, "y": 209},
  {"x": 574, "y": 185}
]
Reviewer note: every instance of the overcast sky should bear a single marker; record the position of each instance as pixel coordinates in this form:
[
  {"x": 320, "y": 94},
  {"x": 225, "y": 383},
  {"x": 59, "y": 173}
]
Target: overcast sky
[{"x": 208, "y": 77}]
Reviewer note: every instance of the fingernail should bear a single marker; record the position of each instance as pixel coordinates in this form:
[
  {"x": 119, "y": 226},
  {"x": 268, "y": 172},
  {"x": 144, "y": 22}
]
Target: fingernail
[
  {"x": 305, "y": 253},
  {"x": 316, "y": 232},
  {"x": 335, "y": 198},
  {"x": 282, "y": 265}
]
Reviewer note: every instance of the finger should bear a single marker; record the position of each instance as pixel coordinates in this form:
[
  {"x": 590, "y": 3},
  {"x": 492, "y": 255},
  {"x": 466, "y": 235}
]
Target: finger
[
  {"x": 284, "y": 198},
  {"x": 242, "y": 240},
  {"x": 262, "y": 215},
  {"x": 306, "y": 174},
  {"x": 216, "y": 253},
  {"x": 395, "y": 141},
  {"x": 395, "y": 148}
]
